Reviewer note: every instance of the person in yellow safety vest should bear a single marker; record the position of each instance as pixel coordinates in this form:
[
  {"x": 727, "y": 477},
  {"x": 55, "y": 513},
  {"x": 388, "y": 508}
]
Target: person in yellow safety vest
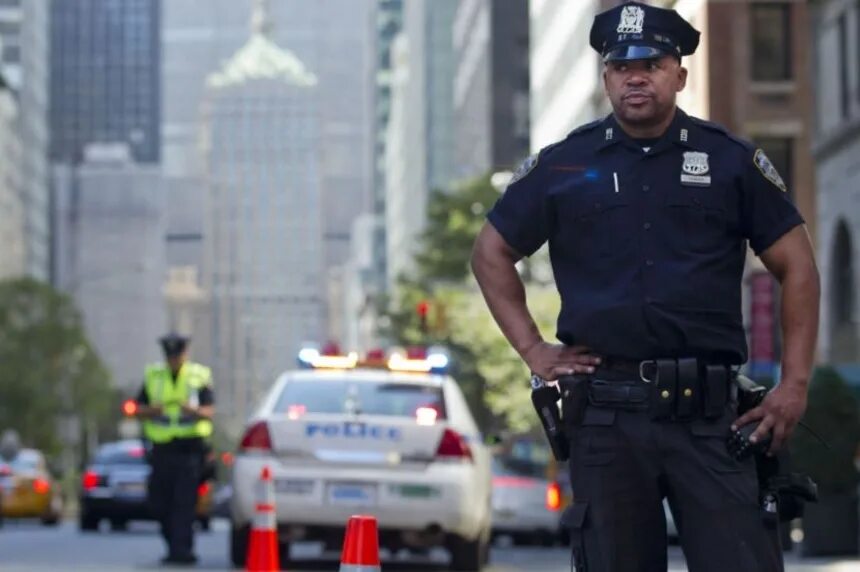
[{"x": 175, "y": 405}]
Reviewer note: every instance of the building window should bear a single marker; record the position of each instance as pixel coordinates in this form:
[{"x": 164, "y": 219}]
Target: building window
[
  {"x": 844, "y": 87},
  {"x": 779, "y": 151},
  {"x": 843, "y": 328},
  {"x": 771, "y": 41}
]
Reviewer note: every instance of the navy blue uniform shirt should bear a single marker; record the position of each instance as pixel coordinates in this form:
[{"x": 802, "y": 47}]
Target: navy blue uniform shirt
[{"x": 648, "y": 247}]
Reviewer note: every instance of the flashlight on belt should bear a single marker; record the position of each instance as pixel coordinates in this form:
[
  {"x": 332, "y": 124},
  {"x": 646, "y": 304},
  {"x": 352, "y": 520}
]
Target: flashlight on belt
[{"x": 545, "y": 399}]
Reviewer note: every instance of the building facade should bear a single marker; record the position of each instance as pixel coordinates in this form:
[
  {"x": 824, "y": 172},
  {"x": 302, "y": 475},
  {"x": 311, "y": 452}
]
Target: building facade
[
  {"x": 420, "y": 148},
  {"x": 836, "y": 50},
  {"x": 105, "y": 77},
  {"x": 24, "y": 32},
  {"x": 109, "y": 239},
  {"x": 12, "y": 235},
  {"x": 264, "y": 258},
  {"x": 491, "y": 86}
]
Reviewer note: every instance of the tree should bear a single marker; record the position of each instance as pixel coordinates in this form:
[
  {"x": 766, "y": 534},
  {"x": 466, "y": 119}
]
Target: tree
[
  {"x": 491, "y": 374},
  {"x": 48, "y": 366}
]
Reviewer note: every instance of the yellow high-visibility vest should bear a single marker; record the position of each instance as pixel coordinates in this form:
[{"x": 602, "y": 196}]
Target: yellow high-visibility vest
[{"x": 162, "y": 390}]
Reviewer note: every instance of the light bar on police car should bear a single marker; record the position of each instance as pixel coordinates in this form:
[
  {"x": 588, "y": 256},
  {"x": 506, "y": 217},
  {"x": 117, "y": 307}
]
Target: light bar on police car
[
  {"x": 311, "y": 357},
  {"x": 435, "y": 360}
]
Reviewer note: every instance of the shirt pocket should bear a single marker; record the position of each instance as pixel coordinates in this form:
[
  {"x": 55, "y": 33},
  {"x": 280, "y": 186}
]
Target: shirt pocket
[
  {"x": 699, "y": 215},
  {"x": 592, "y": 223}
]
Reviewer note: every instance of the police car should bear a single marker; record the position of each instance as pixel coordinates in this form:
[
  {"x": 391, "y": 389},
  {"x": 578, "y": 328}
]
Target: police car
[{"x": 390, "y": 435}]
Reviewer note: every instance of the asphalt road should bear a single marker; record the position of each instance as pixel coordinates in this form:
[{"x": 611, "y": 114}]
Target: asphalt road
[{"x": 29, "y": 547}]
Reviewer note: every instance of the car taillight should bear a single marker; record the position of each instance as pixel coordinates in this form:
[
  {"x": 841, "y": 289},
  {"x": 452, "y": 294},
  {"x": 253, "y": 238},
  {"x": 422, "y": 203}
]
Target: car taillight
[
  {"x": 453, "y": 446},
  {"x": 257, "y": 438},
  {"x": 203, "y": 489},
  {"x": 41, "y": 486},
  {"x": 553, "y": 497},
  {"x": 90, "y": 480}
]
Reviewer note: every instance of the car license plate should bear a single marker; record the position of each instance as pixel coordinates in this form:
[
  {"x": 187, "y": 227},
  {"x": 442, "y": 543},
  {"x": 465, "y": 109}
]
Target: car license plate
[
  {"x": 352, "y": 494},
  {"x": 293, "y": 487},
  {"x": 132, "y": 488}
]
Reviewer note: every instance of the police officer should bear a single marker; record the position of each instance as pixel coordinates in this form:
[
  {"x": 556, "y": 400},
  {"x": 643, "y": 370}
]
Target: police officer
[
  {"x": 648, "y": 213},
  {"x": 176, "y": 405}
]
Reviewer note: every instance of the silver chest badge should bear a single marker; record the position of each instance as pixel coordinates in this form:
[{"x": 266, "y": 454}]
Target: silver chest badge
[
  {"x": 632, "y": 20},
  {"x": 695, "y": 170}
]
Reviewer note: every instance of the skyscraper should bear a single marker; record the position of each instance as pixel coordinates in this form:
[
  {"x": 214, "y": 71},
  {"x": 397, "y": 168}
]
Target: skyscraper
[
  {"x": 105, "y": 77},
  {"x": 25, "y": 41},
  {"x": 264, "y": 234},
  {"x": 421, "y": 134},
  {"x": 491, "y": 85}
]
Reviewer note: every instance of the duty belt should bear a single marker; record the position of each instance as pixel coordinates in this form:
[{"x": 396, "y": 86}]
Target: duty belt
[{"x": 670, "y": 388}]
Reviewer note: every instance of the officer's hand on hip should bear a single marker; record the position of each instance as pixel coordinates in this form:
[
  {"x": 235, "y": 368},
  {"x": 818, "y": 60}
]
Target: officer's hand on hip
[
  {"x": 551, "y": 361},
  {"x": 779, "y": 413}
]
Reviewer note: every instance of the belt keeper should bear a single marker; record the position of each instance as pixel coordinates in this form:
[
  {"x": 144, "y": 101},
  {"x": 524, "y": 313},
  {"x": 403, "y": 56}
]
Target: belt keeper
[
  {"x": 664, "y": 391},
  {"x": 688, "y": 387}
]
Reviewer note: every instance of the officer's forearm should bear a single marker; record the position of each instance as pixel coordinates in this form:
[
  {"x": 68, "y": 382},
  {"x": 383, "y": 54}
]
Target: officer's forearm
[
  {"x": 800, "y": 300},
  {"x": 494, "y": 266}
]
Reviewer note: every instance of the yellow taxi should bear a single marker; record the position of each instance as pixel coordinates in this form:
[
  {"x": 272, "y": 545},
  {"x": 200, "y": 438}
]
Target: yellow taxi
[{"x": 27, "y": 489}]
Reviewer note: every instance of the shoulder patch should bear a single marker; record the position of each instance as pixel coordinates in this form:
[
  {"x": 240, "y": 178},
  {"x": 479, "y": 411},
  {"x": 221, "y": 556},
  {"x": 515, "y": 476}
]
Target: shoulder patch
[
  {"x": 768, "y": 170},
  {"x": 525, "y": 168}
]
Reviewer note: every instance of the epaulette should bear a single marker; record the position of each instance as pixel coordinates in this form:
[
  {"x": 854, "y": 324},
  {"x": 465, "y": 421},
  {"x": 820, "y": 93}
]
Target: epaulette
[
  {"x": 711, "y": 126},
  {"x": 586, "y": 127}
]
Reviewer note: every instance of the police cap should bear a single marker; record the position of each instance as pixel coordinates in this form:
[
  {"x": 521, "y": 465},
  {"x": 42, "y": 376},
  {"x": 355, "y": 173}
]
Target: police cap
[
  {"x": 173, "y": 344},
  {"x": 636, "y": 31}
]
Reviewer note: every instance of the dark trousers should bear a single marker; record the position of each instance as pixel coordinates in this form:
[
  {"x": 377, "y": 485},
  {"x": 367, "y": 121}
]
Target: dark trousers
[
  {"x": 623, "y": 464},
  {"x": 173, "y": 498}
]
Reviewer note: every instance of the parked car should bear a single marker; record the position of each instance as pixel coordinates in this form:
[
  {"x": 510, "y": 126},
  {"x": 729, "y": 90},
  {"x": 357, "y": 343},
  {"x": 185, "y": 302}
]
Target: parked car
[
  {"x": 114, "y": 487},
  {"x": 27, "y": 489},
  {"x": 526, "y": 506}
]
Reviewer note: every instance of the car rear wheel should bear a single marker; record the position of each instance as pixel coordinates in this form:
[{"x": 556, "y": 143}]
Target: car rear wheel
[
  {"x": 88, "y": 522},
  {"x": 468, "y": 555},
  {"x": 239, "y": 537}
]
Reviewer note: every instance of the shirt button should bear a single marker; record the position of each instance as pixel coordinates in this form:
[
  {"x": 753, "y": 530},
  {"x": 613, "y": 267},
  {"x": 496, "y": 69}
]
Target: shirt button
[
  {"x": 649, "y": 262},
  {"x": 646, "y": 188},
  {"x": 646, "y": 226}
]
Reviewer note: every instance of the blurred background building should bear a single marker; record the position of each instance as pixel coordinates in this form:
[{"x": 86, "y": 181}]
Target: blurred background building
[
  {"x": 421, "y": 136},
  {"x": 24, "y": 33},
  {"x": 836, "y": 59},
  {"x": 491, "y": 86},
  {"x": 12, "y": 222},
  {"x": 264, "y": 259},
  {"x": 108, "y": 232}
]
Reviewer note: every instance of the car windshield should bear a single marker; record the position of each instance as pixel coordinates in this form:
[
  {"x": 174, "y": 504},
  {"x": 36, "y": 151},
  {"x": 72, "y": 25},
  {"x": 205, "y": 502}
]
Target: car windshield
[
  {"x": 114, "y": 455},
  {"x": 343, "y": 396},
  {"x": 24, "y": 462},
  {"x": 513, "y": 467}
]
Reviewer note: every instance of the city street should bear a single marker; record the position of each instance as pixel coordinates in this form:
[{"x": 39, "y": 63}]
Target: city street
[{"x": 32, "y": 548}]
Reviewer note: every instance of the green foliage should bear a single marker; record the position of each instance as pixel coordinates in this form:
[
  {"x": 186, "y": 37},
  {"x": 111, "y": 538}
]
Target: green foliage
[
  {"x": 48, "y": 366},
  {"x": 833, "y": 413},
  {"x": 491, "y": 374}
]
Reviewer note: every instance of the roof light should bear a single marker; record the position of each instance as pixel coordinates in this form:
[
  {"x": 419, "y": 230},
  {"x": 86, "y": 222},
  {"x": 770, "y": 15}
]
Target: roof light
[
  {"x": 311, "y": 357},
  {"x": 432, "y": 360}
]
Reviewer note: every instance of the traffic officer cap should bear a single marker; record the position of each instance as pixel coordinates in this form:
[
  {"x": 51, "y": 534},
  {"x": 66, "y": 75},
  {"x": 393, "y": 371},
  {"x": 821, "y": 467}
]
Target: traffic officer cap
[
  {"x": 173, "y": 344},
  {"x": 636, "y": 31}
]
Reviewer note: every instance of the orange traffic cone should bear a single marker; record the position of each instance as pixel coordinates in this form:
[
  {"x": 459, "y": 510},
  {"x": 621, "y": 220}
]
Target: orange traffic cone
[
  {"x": 263, "y": 548},
  {"x": 361, "y": 546}
]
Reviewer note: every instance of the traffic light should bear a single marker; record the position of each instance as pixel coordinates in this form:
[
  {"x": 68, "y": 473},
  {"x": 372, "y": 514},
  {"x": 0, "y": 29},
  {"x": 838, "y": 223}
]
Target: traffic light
[
  {"x": 129, "y": 407},
  {"x": 422, "y": 308}
]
